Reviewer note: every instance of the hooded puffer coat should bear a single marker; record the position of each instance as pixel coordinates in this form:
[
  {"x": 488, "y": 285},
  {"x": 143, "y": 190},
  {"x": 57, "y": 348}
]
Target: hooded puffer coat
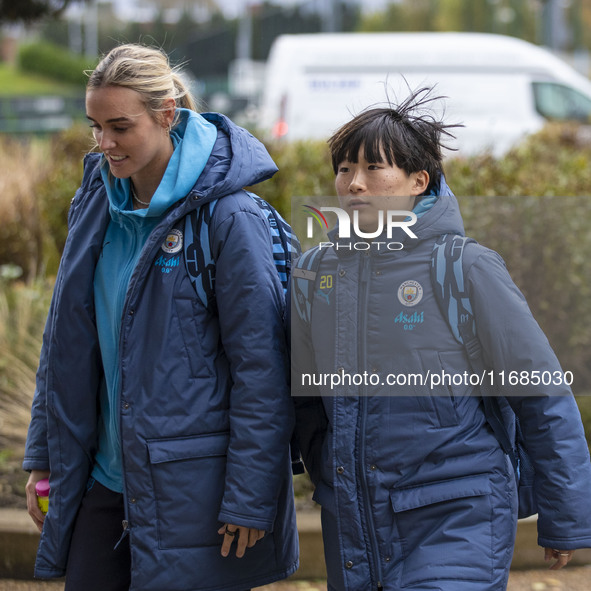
[
  {"x": 205, "y": 413},
  {"x": 415, "y": 490}
]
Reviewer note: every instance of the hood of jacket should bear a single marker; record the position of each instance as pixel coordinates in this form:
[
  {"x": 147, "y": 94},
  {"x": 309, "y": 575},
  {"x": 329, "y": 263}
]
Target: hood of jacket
[
  {"x": 237, "y": 160},
  {"x": 441, "y": 217}
]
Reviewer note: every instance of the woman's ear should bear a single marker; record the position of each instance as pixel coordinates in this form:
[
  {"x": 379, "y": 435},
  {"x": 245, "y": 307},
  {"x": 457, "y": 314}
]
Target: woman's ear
[
  {"x": 168, "y": 112},
  {"x": 421, "y": 182}
]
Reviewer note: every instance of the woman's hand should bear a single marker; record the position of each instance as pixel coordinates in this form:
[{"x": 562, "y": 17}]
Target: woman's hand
[
  {"x": 32, "y": 507},
  {"x": 562, "y": 557},
  {"x": 247, "y": 538}
]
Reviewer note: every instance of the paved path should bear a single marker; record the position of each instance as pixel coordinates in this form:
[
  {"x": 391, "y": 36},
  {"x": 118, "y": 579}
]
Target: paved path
[
  {"x": 572, "y": 578},
  {"x": 569, "y": 579}
]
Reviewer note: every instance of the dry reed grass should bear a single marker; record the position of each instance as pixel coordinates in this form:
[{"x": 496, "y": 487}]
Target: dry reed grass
[
  {"x": 23, "y": 306},
  {"x": 23, "y": 309},
  {"x": 25, "y": 163}
]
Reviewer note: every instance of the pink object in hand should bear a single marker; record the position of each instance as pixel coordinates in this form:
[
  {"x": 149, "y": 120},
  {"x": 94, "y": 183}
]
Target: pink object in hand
[{"x": 42, "y": 490}]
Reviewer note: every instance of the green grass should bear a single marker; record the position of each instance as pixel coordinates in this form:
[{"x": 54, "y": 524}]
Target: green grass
[{"x": 15, "y": 83}]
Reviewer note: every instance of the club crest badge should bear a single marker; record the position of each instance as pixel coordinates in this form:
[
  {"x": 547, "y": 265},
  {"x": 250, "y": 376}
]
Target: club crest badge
[
  {"x": 410, "y": 293},
  {"x": 173, "y": 242}
]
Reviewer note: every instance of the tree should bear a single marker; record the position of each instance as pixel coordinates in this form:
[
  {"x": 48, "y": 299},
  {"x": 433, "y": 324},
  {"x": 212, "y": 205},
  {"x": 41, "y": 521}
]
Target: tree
[
  {"x": 30, "y": 10},
  {"x": 418, "y": 15}
]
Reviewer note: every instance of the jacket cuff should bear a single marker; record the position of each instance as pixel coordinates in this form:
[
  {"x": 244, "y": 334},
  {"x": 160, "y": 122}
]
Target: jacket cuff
[
  {"x": 34, "y": 463},
  {"x": 569, "y": 543},
  {"x": 244, "y": 521}
]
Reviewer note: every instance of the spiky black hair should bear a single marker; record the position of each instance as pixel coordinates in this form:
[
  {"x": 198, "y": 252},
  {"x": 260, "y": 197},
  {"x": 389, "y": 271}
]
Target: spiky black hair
[{"x": 408, "y": 135}]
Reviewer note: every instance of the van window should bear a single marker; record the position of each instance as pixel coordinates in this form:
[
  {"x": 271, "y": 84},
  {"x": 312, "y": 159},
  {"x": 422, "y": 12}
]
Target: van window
[{"x": 556, "y": 101}]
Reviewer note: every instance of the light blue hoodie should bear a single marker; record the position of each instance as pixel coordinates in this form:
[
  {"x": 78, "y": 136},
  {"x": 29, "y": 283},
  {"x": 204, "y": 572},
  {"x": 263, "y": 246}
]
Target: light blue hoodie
[{"x": 193, "y": 139}]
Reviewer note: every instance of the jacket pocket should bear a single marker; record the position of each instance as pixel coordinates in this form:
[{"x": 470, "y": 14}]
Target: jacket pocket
[
  {"x": 445, "y": 530},
  {"x": 441, "y": 402},
  {"x": 193, "y": 338},
  {"x": 188, "y": 475}
]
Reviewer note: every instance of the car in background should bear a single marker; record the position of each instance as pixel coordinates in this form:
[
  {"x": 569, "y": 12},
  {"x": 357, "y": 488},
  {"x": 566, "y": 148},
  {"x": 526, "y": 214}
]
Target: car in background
[{"x": 500, "y": 88}]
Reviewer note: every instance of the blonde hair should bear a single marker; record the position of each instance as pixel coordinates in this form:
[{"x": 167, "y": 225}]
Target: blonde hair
[{"x": 146, "y": 70}]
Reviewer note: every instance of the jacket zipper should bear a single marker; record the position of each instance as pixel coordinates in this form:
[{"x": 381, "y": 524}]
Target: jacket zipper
[
  {"x": 128, "y": 273},
  {"x": 362, "y": 353},
  {"x": 125, "y": 313}
]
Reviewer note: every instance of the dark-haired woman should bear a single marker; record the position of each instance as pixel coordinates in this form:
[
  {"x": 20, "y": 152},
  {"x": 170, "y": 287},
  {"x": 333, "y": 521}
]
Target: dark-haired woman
[{"x": 415, "y": 488}]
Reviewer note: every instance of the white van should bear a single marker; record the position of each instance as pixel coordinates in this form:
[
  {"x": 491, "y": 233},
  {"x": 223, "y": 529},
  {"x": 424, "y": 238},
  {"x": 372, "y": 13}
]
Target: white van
[{"x": 499, "y": 87}]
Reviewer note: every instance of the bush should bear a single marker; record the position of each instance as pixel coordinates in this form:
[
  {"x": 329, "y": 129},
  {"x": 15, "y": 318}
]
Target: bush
[
  {"x": 35, "y": 194},
  {"x": 545, "y": 242},
  {"x": 54, "y": 62},
  {"x": 532, "y": 207},
  {"x": 553, "y": 162},
  {"x": 304, "y": 170},
  {"x": 58, "y": 187}
]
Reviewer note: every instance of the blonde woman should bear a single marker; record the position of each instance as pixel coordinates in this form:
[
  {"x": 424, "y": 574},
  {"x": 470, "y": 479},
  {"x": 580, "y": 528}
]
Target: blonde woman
[{"x": 163, "y": 423}]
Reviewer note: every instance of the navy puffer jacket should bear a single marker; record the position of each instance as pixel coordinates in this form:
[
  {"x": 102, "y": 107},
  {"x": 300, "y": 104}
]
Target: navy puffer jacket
[
  {"x": 416, "y": 492},
  {"x": 205, "y": 413}
]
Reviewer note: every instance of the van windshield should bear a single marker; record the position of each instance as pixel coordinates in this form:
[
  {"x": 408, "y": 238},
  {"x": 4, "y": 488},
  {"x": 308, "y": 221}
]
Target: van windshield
[{"x": 562, "y": 103}]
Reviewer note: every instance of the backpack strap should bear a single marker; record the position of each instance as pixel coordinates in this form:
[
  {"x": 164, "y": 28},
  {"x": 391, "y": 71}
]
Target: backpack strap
[
  {"x": 198, "y": 256},
  {"x": 304, "y": 280},
  {"x": 199, "y": 259},
  {"x": 303, "y": 277},
  {"x": 451, "y": 293},
  {"x": 447, "y": 274},
  {"x": 286, "y": 245}
]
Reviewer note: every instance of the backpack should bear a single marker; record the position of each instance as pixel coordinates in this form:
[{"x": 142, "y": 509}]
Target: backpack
[
  {"x": 199, "y": 259},
  {"x": 447, "y": 278}
]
